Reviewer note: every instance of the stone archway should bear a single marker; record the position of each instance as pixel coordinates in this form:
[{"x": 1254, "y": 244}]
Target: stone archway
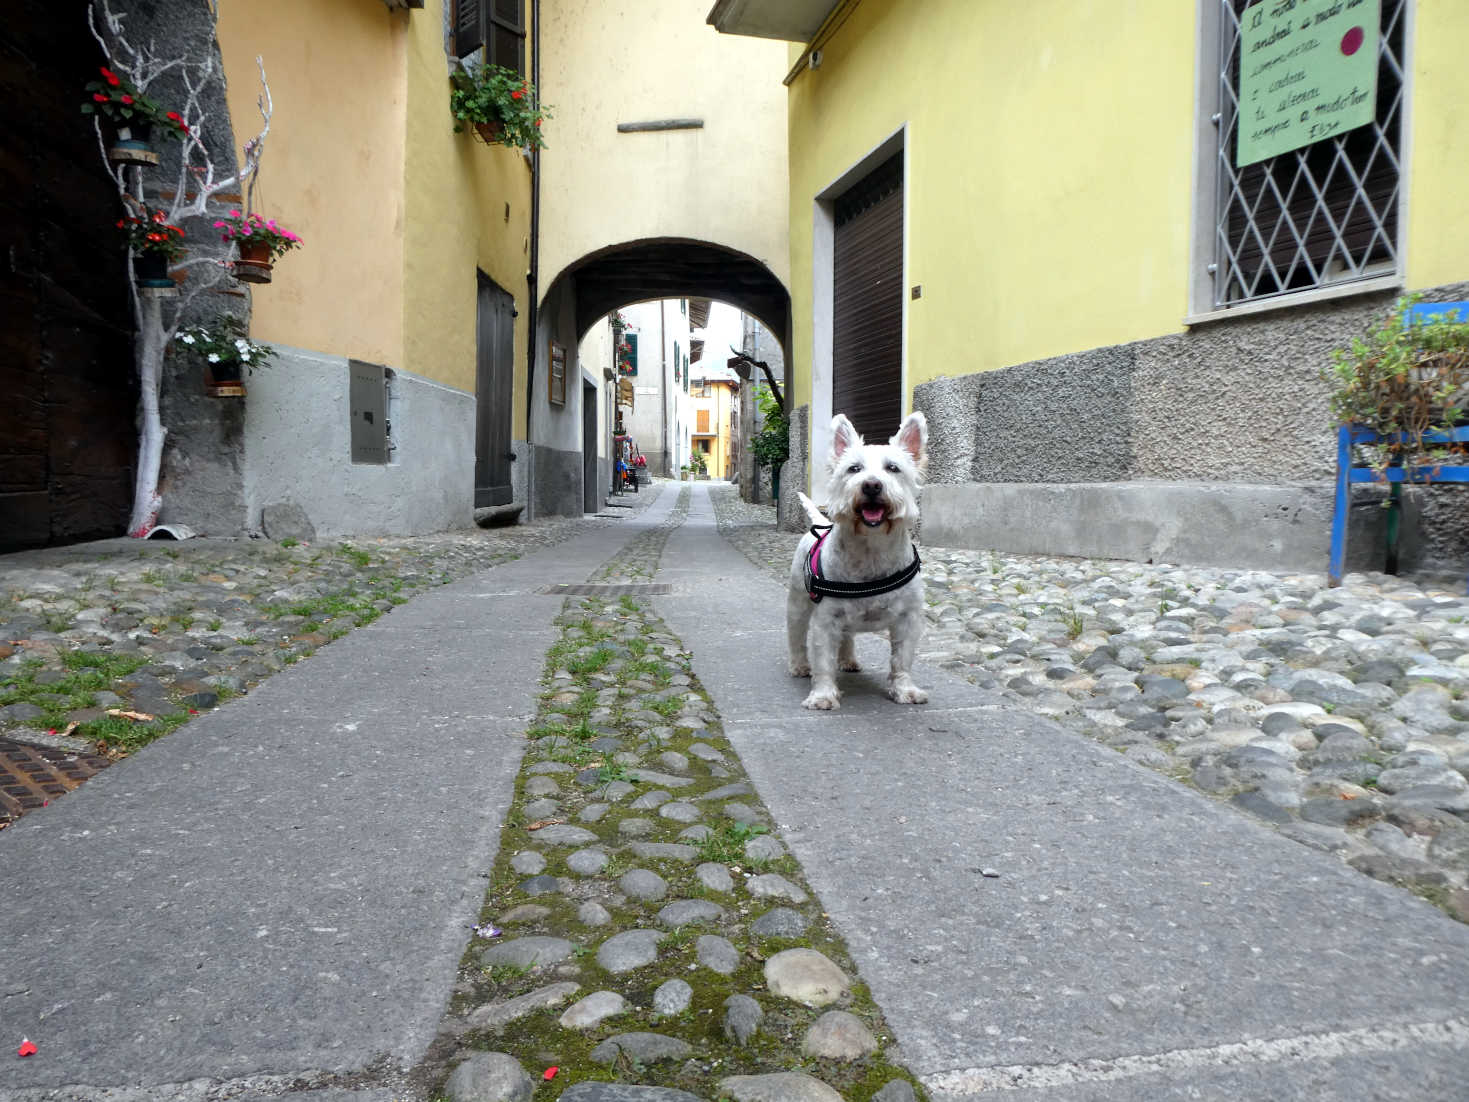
[{"x": 677, "y": 268}]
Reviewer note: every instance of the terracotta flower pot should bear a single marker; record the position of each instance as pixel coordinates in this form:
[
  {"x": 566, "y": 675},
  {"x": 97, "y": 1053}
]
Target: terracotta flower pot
[
  {"x": 491, "y": 133},
  {"x": 129, "y": 145},
  {"x": 254, "y": 264}
]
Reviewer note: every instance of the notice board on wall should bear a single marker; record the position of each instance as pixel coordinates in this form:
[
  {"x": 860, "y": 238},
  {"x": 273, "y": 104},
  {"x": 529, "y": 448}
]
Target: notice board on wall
[{"x": 1307, "y": 72}]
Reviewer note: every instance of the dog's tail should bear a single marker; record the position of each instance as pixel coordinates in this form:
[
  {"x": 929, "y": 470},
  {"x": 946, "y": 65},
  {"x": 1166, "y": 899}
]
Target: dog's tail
[{"x": 813, "y": 514}]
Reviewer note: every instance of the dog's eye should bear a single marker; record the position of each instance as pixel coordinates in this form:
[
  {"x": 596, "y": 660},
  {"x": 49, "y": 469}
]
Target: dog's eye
[
  {"x": 890, "y": 465},
  {"x": 854, "y": 468}
]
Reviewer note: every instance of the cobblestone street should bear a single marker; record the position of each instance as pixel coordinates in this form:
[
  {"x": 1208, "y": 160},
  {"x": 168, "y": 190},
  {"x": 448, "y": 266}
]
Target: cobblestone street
[
  {"x": 1336, "y": 715},
  {"x": 626, "y": 861}
]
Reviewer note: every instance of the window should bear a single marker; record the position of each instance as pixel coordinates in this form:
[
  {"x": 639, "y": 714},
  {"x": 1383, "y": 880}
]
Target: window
[
  {"x": 1321, "y": 215},
  {"x": 556, "y": 374},
  {"x": 627, "y": 355},
  {"x": 496, "y": 26},
  {"x": 701, "y": 420}
]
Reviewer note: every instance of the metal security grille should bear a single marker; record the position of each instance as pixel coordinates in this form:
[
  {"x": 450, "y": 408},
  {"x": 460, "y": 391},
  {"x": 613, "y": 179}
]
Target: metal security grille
[{"x": 1318, "y": 216}]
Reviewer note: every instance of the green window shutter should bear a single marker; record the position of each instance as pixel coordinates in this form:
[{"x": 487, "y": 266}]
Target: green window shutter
[{"x": 628, "y": 364}]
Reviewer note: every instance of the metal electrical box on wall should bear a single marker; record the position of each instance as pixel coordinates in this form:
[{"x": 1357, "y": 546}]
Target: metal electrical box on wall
[{"x": 368, "y": 395}]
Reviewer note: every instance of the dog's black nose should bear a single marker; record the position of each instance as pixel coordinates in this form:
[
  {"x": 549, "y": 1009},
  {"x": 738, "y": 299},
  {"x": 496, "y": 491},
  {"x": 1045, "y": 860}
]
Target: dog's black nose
[{"x": 872, "y": 488}]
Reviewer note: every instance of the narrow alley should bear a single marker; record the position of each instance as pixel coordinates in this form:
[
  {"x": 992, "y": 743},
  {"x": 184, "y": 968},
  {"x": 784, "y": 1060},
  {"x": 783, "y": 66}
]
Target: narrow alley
[{"x": 504, "y": 819}]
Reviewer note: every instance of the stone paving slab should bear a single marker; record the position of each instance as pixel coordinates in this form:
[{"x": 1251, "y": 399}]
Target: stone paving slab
[
  {"x": 285, "y": 883},
  {"x": 1131, "y": 916}
]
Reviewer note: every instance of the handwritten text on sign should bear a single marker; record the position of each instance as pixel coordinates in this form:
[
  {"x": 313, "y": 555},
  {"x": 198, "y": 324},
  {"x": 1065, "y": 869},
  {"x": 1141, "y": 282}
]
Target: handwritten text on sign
[{"x": 1307, "y": 71}]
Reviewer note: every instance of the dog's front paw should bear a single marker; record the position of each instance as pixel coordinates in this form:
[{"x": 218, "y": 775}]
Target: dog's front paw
[
  {"x": 906, "y": 692},
  {"x": 850, "y": 665},
  {"x": 799, "y": 669},
  {"x": 822, "y": 701}
]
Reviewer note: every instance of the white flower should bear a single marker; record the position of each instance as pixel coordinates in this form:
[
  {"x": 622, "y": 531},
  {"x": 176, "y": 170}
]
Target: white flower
[
  {"x": 214, "y": 357},
  {"x": 245, "y": 355},
  {"x": 187, "y": 338},
  {"x": 242, "y": 344}
]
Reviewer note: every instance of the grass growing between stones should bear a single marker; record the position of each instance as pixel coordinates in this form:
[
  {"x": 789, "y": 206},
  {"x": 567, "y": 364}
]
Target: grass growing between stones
[
  {"x": 616, "y": 760},
  {"x": 54, "y": 692}
]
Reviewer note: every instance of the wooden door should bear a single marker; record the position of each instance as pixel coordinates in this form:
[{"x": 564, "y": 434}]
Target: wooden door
[{"x": 494, "y": 401}]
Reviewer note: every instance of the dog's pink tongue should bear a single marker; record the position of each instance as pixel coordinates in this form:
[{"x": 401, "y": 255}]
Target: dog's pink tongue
[{"x": 873, "y": 514}]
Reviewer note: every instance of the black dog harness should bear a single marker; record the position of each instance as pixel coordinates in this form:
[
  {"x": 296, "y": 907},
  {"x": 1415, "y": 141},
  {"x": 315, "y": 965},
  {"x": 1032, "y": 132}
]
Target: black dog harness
[{"x": 818, "y": 587}]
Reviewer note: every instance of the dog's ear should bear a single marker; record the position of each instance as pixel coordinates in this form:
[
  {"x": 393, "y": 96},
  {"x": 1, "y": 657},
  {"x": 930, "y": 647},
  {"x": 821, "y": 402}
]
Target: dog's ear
[
  {"x": 912, "y": 437},
  {"x": 843, "y": 436}
]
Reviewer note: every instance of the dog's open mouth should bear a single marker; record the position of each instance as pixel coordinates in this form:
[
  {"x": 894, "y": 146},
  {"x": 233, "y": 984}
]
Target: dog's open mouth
[{"x": 873, "y": 514}]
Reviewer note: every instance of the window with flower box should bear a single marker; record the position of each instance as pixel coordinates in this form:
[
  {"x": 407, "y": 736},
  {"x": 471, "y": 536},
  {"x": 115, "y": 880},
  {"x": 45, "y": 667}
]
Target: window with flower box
[{"x": 496, "y": 26}]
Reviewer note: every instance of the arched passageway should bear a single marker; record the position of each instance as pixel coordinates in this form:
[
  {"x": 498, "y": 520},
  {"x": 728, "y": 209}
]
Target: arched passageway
[
  {"x": 673, "y": 268},
  {"x": 582, "y": 296}
]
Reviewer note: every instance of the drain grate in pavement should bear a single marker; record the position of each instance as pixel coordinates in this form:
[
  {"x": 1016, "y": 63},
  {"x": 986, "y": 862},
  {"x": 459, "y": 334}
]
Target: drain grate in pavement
[
  {"x": 634, "y": 589},
  {"x": 32, "y": 775}
]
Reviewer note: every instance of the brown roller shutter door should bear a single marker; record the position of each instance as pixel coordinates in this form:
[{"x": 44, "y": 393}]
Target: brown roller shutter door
[{"x": 867, "y": 317}]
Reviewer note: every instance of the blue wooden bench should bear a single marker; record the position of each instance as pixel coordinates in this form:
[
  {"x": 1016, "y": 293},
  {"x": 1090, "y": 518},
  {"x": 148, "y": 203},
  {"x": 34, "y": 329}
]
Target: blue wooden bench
[{"x": 1348, "y": 475}]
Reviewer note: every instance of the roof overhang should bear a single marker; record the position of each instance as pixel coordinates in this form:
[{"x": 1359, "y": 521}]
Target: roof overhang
[{"x": 788, "y": 20}]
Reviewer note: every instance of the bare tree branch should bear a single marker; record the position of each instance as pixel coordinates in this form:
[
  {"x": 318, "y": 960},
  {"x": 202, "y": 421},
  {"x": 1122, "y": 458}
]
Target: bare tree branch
[{"x": 197, "y": 184}]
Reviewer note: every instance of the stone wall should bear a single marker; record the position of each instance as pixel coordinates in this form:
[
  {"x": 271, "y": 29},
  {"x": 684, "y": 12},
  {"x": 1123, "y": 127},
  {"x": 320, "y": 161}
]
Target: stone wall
[
  {"x": 1227, "y": 423},
  {"x": 426, "y": 487},
  {"x": 793, "y": 475}
]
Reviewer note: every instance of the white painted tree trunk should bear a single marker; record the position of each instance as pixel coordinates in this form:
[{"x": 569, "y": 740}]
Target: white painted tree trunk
[
  {"x": 151, "y": 342},
  {"x": 193, "y": 191}
]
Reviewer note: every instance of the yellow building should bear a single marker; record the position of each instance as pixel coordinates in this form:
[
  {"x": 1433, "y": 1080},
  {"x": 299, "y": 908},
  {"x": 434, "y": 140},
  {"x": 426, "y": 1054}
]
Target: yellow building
[
  {"x": 428, "y": 331},
  {"x": 1037, "y": 223},
  {"x": 399, "y": 393},
  {"x": 714, "y": 395}
]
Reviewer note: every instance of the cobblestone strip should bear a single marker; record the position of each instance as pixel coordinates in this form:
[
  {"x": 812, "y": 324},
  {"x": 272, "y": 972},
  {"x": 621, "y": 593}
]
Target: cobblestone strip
[
  {"x": 646, "y": 935},
  {"x": 102, "y": 651},
  {"x": 1338, "y": 716}
]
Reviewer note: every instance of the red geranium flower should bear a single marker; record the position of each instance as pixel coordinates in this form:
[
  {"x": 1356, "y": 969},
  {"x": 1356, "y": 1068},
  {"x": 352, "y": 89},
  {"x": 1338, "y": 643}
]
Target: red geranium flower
[
  {"x": 110, "y": 76},
  {"x": 516, "y": 95},
  {"x": 126, "y": 98},
  {"x": 99, "y": 97}
]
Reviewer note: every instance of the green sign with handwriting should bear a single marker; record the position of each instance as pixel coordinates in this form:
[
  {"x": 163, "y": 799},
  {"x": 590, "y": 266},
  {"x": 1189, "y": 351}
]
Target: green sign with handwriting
[{"x": 1307, "y": 71}]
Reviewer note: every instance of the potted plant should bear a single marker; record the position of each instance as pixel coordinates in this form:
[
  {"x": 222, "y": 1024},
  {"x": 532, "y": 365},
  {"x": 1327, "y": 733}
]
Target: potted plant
[
  {"x": 1406, "y": 378},
  {"x": 500, "y": 104},
  {"x": 259, "y": 241},
  {"x": 155, "y": 242},
  {"x": 131, "y": 117},
  {"x": 771, "y": 446},
  {"x": 227, "y": 352}
]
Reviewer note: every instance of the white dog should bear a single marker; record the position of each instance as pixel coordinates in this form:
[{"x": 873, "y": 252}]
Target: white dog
[{"x": 862, "y": 574}]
